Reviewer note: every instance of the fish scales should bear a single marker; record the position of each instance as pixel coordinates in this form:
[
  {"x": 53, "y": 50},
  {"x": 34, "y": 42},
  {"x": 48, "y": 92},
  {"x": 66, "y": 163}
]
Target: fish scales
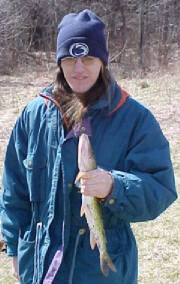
[{"x": 91, "y": 207}]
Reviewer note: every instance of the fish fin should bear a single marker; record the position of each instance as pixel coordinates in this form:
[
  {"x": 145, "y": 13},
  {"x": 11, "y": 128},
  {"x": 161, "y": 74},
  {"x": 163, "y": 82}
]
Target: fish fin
[
  {"x": 92, "y": 240},
  {"x": 106, "y": 264},
  {"x": 78, "y": 177},
  {"x": 82, "y": 211}
]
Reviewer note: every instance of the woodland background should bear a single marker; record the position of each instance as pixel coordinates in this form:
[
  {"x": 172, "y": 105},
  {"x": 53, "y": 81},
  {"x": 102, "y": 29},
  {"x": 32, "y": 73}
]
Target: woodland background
[{"x": 141, "y": 33}]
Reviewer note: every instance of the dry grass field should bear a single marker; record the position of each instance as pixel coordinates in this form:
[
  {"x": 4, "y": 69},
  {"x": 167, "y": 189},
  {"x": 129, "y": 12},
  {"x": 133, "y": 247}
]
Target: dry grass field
[{"x": 158, "y": 240}]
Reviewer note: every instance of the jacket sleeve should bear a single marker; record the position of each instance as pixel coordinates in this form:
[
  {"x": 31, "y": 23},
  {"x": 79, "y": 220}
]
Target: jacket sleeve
[
  {"x": 14, "y": 200},
  {"x": 146, "y": 187}
]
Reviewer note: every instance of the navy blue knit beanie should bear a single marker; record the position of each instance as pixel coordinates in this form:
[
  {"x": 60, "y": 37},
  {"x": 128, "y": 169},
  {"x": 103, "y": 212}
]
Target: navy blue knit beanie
[{"x": 80, "y": 35}]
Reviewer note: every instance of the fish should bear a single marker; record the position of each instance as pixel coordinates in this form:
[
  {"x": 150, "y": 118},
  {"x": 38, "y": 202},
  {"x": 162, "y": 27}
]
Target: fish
[{"x": 91, "y": 207}]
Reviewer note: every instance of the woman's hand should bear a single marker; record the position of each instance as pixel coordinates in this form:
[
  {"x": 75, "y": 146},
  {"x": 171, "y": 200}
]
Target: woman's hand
[
  {"x": 98, "y": 183},
  {"x": 15, "y": 267}
]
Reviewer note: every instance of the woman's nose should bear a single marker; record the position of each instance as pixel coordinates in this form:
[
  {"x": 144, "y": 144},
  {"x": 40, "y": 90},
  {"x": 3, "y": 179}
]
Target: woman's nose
[{"x": 79, "y": 65}]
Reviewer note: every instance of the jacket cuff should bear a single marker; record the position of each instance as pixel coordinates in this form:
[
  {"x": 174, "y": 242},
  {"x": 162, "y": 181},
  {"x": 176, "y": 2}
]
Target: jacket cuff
[{"x": 113, "y": 200}]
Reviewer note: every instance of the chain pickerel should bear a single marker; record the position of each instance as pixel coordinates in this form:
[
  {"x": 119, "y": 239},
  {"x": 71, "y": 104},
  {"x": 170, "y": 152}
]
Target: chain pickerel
[{"x": 91, "y": 207}]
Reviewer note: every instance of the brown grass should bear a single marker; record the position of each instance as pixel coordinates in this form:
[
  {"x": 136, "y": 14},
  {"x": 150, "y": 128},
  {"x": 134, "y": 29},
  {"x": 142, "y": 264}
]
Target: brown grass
[{"x": 158, "y": 240}]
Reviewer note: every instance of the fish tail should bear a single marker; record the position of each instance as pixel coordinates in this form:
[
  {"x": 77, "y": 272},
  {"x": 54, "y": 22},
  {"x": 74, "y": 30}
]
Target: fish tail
[{"x": 106, "y": 264}]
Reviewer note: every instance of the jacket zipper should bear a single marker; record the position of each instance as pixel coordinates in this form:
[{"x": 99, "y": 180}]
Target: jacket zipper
[{"x": 36, "y": 277}]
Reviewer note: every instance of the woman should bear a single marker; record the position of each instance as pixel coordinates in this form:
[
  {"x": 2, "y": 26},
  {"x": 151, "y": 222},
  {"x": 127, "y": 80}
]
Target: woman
[{"x": 134, "y": 181}]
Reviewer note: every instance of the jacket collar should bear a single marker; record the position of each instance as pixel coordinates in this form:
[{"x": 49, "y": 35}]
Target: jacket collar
[{"x": 109, "y": 100}]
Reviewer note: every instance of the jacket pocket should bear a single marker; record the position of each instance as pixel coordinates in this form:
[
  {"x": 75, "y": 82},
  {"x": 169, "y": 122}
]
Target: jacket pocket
[
  {"x": 29, "y": 258},
  {"x": 36, "y": 175},
  {"x": 117, "y": 241},
  {"x": 26, "y": 260}
]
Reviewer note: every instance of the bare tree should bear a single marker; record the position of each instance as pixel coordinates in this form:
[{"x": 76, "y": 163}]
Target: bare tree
[{"x": 138, "y": 31}]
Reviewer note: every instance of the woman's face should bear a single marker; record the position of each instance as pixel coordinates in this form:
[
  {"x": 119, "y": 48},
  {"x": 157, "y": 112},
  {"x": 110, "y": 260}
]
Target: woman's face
[{"x": 81, "y": 73}]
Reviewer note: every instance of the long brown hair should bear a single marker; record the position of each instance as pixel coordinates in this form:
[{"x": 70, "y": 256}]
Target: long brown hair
[{"x": 74, "y": 105}]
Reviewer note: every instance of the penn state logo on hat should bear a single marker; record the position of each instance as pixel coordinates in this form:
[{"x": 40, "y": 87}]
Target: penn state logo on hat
[{"x": 78, "y": 49}]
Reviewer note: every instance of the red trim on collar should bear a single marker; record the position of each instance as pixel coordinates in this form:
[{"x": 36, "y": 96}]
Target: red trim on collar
[{"x": 124, "y": 96}]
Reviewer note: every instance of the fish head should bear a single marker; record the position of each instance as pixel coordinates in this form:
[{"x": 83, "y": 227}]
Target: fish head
[{"x": 86, "y": 159}]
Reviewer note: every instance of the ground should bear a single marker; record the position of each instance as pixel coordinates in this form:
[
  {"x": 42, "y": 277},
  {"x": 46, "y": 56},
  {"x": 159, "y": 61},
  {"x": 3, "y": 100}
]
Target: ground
[{"x": 158, "y": 240}]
